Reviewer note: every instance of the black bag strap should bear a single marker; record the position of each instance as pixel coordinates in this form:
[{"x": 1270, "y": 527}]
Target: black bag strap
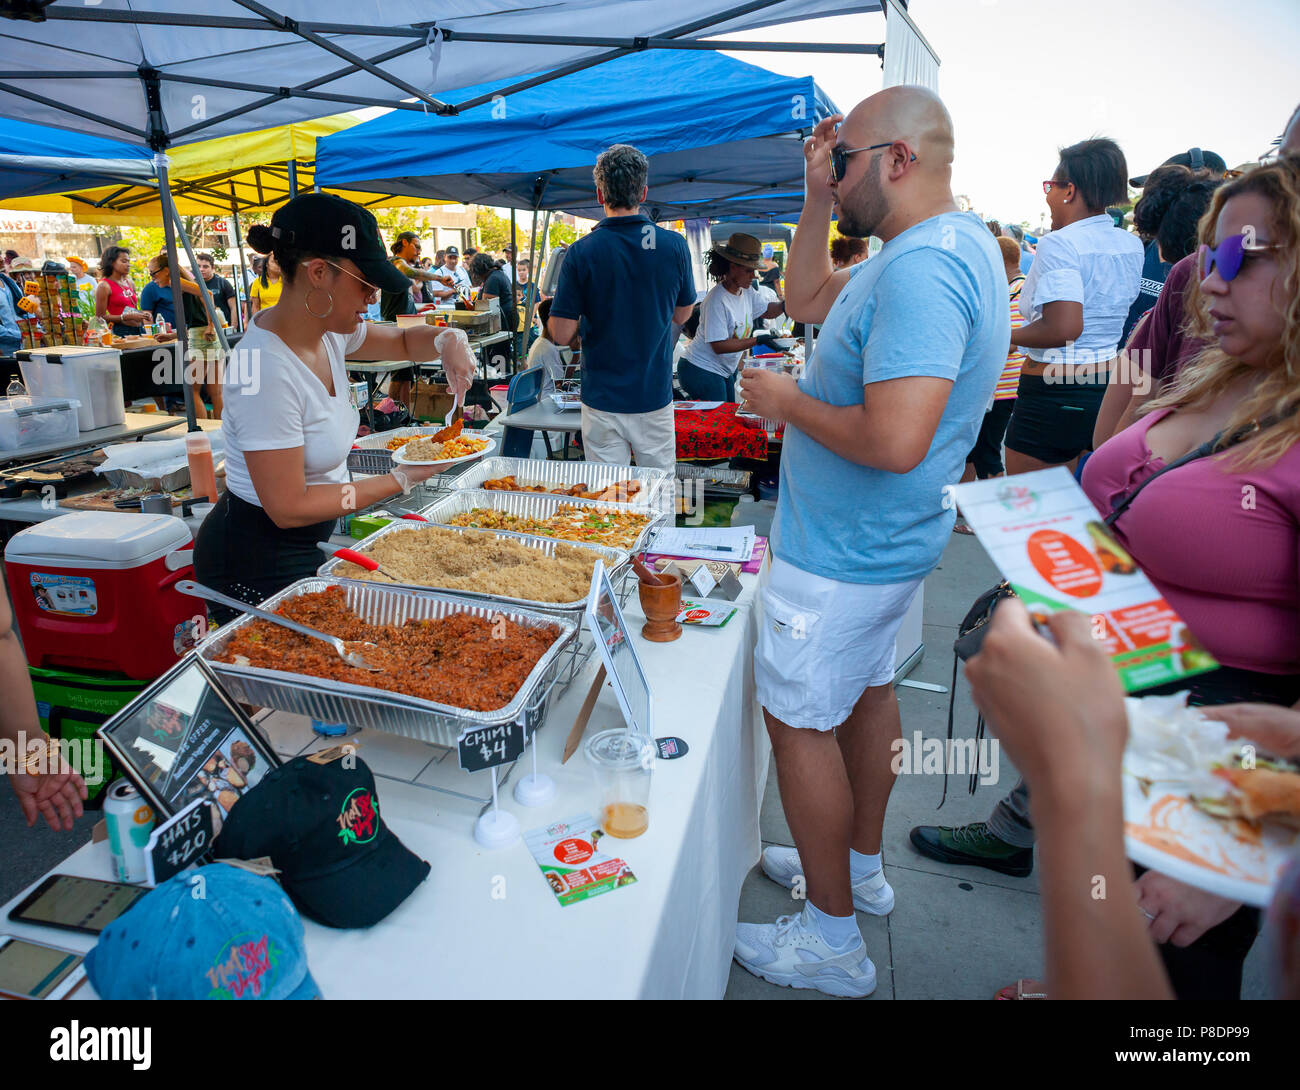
[
  {"x": 1211, "y": 446},
  {"x": 952, "y": 700}
]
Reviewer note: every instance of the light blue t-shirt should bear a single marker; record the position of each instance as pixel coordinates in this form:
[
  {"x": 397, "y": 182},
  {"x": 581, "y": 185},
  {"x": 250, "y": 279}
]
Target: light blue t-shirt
[{"x": 933, "y": 302}]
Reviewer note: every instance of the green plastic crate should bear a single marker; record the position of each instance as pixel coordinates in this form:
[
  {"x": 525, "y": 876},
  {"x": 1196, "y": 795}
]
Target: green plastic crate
[{"x": 74, "y": 705}]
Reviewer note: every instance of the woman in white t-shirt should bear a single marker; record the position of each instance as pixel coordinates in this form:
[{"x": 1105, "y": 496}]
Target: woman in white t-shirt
[
  {"x": 707, "y": 369},
  {"x": 1084, "y": 278},
  {"x": 289, "y": 421}
]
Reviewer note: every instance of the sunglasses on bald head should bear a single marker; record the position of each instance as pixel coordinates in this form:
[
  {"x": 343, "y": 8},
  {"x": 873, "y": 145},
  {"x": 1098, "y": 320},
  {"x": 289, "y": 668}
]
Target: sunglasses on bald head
[
  {"x": 840, "y": 157},
  {"x": 1229, "y": 256}
]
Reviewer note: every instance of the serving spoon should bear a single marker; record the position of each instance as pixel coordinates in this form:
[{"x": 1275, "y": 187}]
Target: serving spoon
[{"x": 351, "y": 657}]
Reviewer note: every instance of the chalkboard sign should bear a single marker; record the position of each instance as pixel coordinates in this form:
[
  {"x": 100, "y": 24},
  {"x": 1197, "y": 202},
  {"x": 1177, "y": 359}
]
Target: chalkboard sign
[
  {"x": 182, "y": 840},
  {"x": 487, "y": 747}
]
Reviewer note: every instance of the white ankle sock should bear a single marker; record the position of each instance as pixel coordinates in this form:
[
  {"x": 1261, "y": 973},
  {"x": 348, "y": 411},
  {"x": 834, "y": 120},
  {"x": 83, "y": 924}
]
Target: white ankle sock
[
  {"x": 862, "y": 866},
  {"x": 839, "y": 932}
]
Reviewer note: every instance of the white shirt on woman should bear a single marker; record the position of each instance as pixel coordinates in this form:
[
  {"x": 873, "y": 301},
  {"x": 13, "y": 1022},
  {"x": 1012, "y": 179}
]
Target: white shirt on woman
[
  {"x": 723, "y": 316},
  {"x": 273, "y": 401},
  {"x": 1091, "y": 262}
]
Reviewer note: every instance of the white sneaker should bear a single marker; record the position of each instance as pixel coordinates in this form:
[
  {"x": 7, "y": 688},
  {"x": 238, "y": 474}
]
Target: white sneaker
[
  {"x": 872, "y": 894},
  {"x": 793, "y": 955}
]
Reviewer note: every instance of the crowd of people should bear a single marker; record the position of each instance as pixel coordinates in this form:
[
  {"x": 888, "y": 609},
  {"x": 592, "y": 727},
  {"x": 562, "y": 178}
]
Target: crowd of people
[{"x": 1166, "y": 356}]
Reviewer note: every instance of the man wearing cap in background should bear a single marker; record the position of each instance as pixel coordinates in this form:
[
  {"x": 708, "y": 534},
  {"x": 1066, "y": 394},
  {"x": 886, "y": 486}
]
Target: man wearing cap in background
[
  {"x": 1155, "y": 271},
  {"x": 452, "y": 270},
  {"x": 406, "y": 260},
  {"x": 626, "y": 287}
]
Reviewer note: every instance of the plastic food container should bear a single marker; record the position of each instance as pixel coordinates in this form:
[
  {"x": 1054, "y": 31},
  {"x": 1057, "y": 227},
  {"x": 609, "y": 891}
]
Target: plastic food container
[
  {"x": 95, "y": 590},
  {"x": 91, "y": 376},
  {"x": 27, "y": 422}
]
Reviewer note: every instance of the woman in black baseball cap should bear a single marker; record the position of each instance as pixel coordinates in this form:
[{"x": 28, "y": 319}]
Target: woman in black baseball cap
[{"x": 289, "y": 421}]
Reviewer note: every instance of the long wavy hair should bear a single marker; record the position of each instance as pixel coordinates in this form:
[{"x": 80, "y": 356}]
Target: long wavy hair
[{"x": 1277, "y": 394}]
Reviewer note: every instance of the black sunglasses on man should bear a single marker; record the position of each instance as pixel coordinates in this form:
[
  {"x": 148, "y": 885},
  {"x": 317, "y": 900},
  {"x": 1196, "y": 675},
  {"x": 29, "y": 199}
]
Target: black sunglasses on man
[{"x": 840, "y": 157}]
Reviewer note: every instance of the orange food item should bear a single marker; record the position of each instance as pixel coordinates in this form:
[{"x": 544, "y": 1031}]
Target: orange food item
[
  {"x": 450, "y": 431},
  {"x": 460, "y": 660}
]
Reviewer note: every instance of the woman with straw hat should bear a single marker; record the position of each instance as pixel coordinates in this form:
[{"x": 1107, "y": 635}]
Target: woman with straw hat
[{"x": 707, "y": 371}]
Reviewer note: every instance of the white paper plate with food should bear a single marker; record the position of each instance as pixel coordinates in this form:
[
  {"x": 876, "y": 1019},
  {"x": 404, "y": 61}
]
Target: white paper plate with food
[
  {"x": 426, "y": 450},
  {"x": 1214, "y": 812}
]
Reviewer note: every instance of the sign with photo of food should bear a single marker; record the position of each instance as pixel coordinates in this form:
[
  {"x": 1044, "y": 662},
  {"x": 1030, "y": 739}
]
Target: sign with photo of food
[{"x": 1052, "y": 546}]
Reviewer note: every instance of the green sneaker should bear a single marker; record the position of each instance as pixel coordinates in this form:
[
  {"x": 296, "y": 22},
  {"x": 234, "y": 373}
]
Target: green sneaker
[{"x": 974, "y": 846}]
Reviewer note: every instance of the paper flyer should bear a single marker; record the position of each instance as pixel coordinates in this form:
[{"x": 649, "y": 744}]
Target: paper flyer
[
  {"x": 1052, "y": 546},
  {"x": 572, "y": 862},
  {"x": 705, "y": 614}
]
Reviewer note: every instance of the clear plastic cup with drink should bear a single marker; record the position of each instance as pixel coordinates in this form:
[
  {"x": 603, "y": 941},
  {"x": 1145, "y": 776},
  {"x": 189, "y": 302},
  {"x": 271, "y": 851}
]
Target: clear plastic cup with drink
[{"x": 622, "y": 762}]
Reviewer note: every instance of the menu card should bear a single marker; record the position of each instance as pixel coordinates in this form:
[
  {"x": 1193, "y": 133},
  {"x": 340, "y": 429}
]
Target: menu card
[
  {"x": 1052, "y": 546},
  {"x": 572, "y": 864}
]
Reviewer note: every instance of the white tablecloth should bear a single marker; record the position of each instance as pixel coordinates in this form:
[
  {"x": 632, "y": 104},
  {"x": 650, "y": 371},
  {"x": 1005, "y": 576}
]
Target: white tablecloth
[{"x": 486, "y": 924}]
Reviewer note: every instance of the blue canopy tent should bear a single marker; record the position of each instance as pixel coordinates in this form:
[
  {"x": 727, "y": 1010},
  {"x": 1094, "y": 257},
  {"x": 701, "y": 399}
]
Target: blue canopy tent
[
  {"x": 715, "y": 130},
  {"x": 721, "y": 135},
  {"x": 31, "y": 166}
]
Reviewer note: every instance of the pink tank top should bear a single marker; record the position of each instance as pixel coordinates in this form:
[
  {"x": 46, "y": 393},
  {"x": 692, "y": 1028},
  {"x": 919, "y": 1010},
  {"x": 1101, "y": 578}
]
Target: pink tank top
[{"x": 1222, "y": 546}]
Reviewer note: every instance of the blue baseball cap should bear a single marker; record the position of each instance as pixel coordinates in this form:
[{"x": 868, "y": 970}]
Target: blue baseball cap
[{"x": 217, "y": 932}]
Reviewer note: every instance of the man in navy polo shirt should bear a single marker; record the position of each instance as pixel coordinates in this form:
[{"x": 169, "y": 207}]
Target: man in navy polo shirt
[{"x": 626, "y": 287}]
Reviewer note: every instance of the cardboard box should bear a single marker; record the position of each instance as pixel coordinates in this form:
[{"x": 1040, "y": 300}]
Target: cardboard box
[{"x": 432, "y": 401}]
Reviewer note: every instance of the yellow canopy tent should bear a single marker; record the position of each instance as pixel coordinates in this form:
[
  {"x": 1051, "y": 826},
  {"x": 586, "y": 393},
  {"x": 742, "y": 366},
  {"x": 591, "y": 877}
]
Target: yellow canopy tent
[{"x": 247, "y": 173}]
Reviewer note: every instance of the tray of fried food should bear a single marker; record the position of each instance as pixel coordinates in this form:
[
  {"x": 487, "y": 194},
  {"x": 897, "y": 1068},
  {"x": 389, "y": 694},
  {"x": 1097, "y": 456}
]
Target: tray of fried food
[
  {"x": 606, "y": 482},
  {"x": 617, "y": 526}
]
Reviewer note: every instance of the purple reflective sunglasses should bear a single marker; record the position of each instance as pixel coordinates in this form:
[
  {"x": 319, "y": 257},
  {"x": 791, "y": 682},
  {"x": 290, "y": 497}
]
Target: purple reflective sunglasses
[{"x": 1228, "y": 256}]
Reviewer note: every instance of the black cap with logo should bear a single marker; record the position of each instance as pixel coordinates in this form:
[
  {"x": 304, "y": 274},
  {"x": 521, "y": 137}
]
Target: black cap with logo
[
  {"x": 1193, "y": 159},
  {"x": 451, "y": 251},
  {"x": 320, "y": 826},
  {"x": 321, "y": 223}
]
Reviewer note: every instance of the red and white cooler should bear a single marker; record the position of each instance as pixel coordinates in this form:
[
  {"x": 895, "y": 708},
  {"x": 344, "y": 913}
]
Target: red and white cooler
[{"x": 96, "y": 590}]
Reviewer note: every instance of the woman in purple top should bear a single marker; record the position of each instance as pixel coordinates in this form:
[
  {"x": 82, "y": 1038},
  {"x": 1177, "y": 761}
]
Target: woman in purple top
[
  {"x": 1219, "y": 536},
  {"x": 1237, "y": 586}
]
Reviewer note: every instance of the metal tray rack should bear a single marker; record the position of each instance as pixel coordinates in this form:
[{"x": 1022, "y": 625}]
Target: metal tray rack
[
  {"x": 371, "y": 454},
  {"x": 534, "y": 505},
  {"x": 555, "y": 474},
  {"x": 616, "y": 560},
  {"x": 380, "y": 709}
]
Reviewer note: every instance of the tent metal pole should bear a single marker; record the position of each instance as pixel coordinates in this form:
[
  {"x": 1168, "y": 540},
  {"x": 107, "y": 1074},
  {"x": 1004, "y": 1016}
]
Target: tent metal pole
[
  {"x": 514, "y": 269},
  {"x": 293, "y": 178},
  {"x": 203, "y": 287},
  {"x": 170, "y": 219},
  {"x": 243, "y": 267},
  {"x": 530, "y": 292}
]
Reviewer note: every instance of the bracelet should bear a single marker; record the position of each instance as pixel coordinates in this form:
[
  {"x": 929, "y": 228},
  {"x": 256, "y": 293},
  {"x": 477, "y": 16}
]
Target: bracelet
[{"x": 35, "y": 762}]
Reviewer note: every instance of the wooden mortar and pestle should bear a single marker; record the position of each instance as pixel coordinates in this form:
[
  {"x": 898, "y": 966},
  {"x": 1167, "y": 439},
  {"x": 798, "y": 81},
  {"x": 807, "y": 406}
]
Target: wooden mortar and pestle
[{"x": 661, "y": 601}]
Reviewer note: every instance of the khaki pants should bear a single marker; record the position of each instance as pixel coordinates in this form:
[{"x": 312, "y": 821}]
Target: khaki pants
[{"x": 615, "y": 437}]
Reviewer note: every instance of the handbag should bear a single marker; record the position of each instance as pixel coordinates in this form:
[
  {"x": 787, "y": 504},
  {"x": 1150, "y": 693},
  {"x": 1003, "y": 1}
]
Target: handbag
[
  {"x": 974, "y": 626},
  {"x": 970, "y": 636}
]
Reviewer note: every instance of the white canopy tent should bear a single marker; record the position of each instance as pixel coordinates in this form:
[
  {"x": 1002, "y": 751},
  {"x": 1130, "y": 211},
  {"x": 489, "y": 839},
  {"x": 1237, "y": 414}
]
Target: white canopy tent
[{"x": 159, "y": 72}]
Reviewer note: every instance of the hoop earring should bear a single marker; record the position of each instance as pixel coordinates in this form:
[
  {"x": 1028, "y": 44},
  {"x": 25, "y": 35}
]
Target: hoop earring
[{"x": 307, "y": 303}]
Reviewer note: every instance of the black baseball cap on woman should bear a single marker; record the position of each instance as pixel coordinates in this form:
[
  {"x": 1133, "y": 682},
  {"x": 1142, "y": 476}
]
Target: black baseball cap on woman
[{"x": 329, "y": 226}]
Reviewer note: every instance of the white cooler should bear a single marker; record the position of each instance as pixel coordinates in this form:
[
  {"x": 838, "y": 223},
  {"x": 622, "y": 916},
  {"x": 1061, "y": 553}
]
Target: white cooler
[{"x": 92, "y": 376}]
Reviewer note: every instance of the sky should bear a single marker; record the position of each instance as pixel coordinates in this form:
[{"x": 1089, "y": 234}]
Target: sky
[{"x": 1023, "y": 78}]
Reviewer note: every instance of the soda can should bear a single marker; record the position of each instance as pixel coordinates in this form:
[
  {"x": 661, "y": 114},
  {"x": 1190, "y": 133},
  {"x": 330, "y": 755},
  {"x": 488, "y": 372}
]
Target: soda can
[{"x": 130, "y": 820}]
